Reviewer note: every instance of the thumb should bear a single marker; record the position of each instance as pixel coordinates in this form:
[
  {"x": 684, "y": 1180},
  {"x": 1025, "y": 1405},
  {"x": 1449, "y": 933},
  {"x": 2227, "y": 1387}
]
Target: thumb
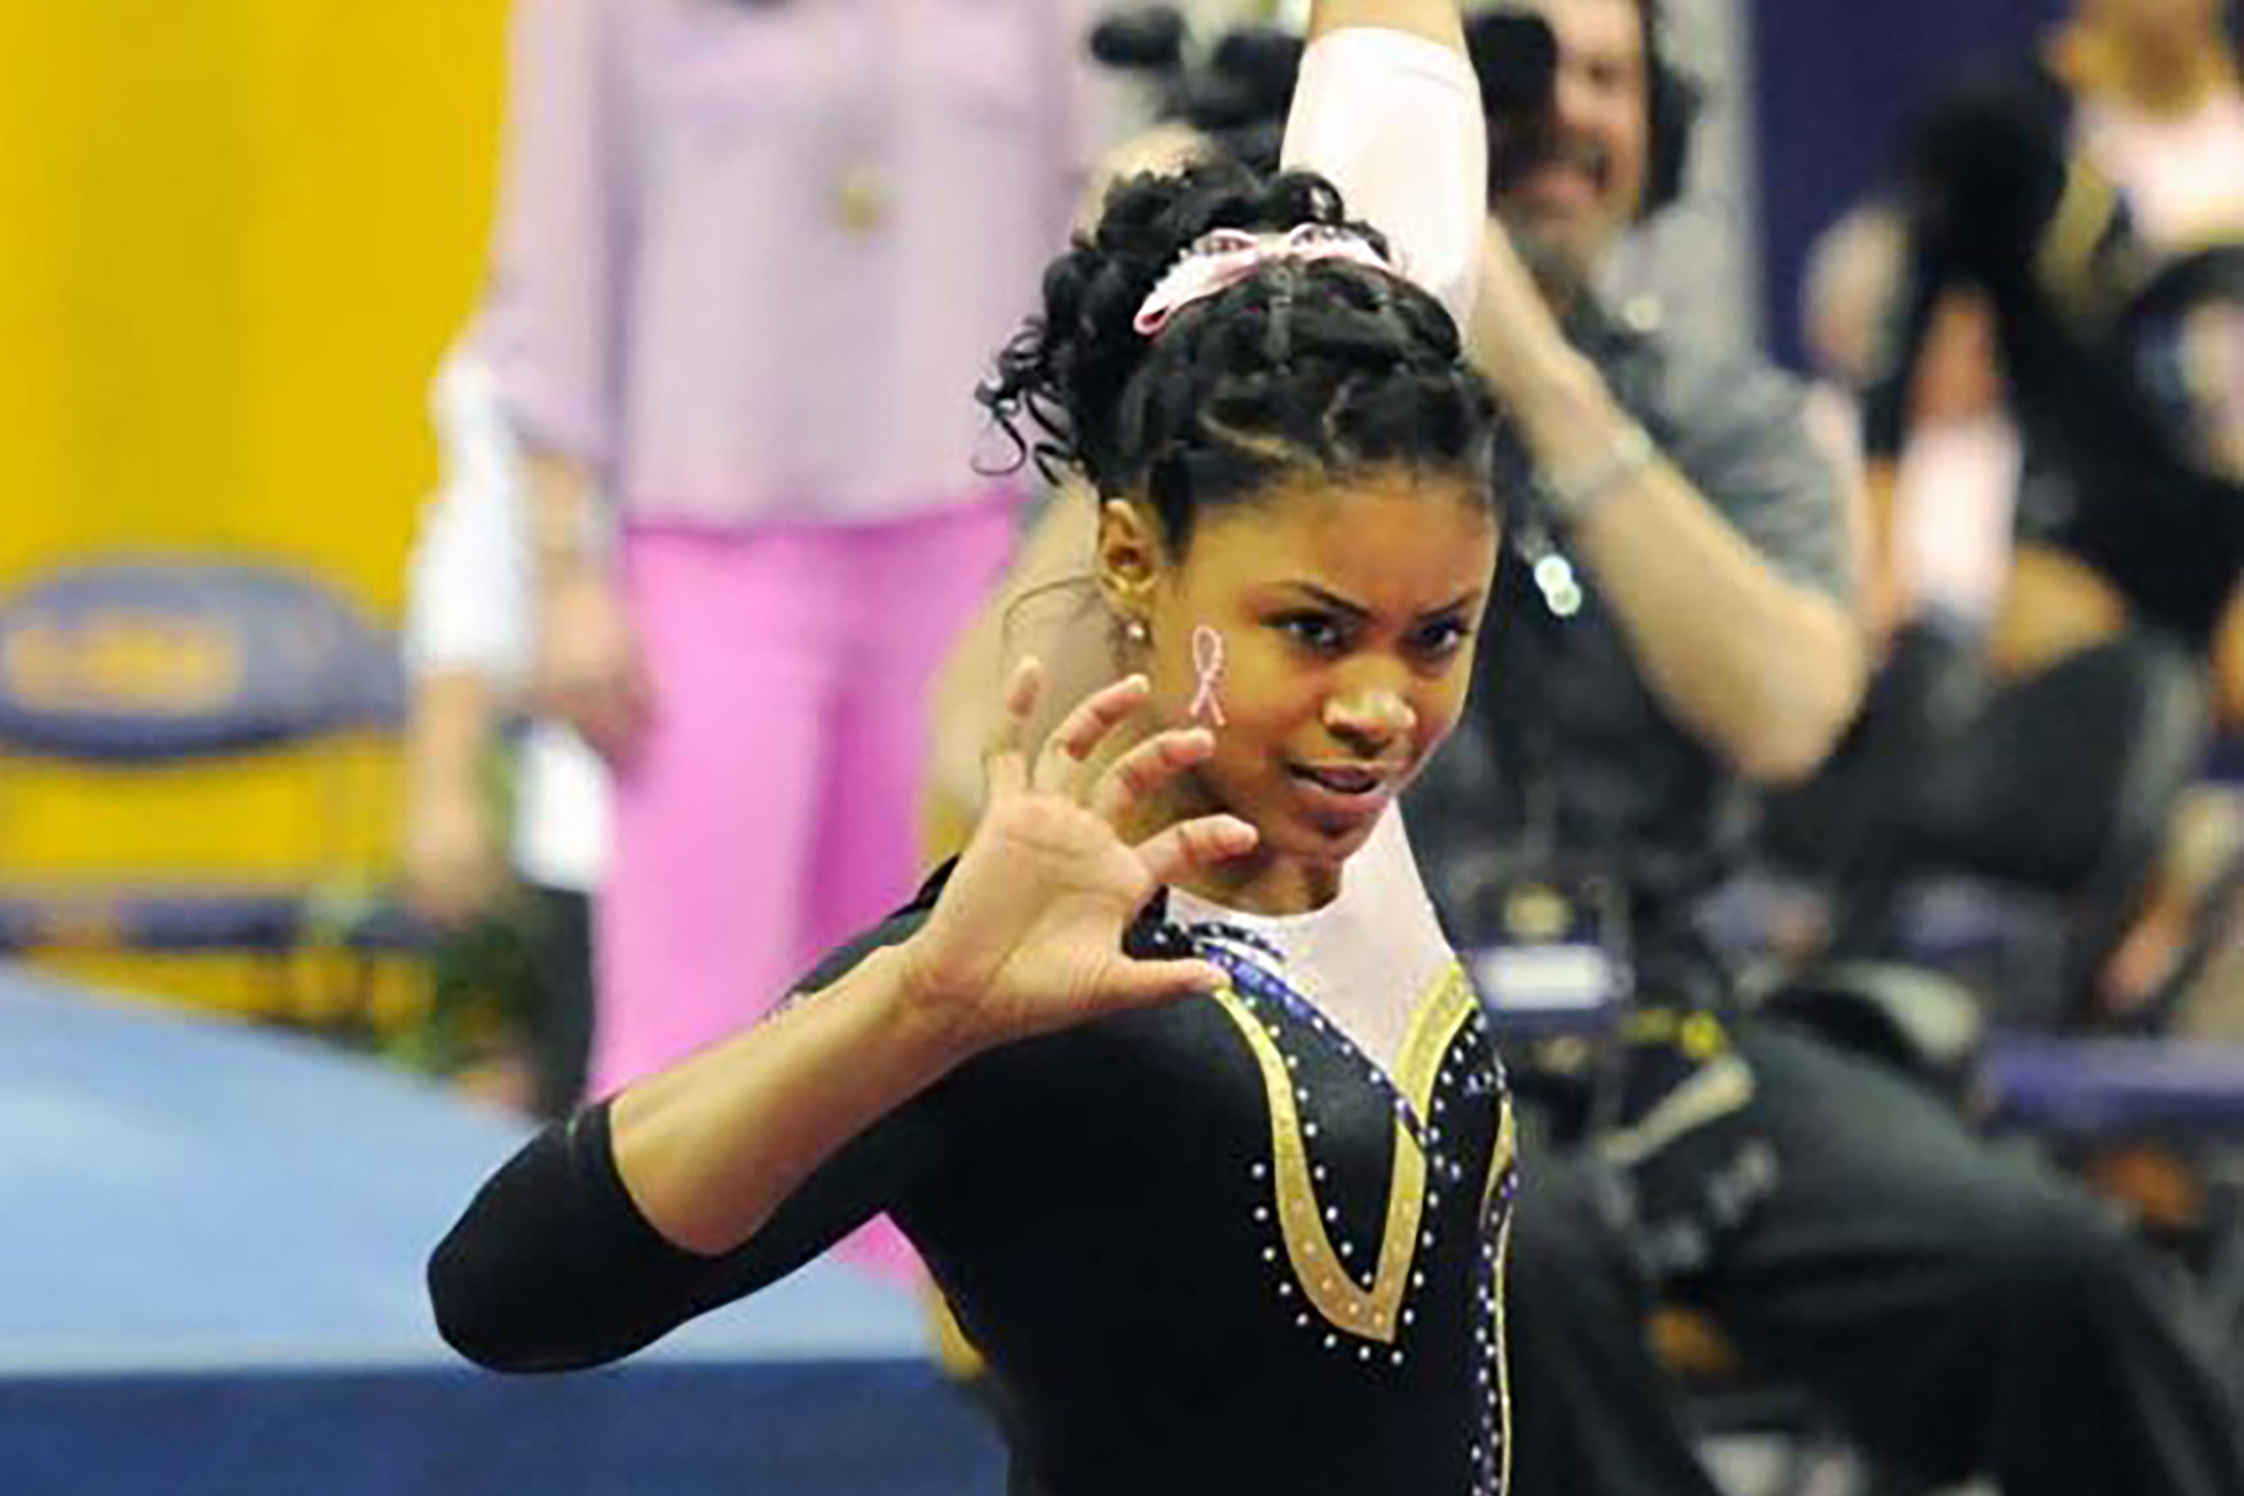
[{"x": 1145, "y": 984}]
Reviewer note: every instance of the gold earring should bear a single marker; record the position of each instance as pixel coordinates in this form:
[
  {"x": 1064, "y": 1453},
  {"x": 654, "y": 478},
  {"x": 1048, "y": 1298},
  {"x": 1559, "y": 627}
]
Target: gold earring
[{"x": 1137, "y": 633}]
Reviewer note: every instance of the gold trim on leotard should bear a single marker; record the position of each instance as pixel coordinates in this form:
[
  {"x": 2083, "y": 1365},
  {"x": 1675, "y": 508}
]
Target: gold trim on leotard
[
  {"x": 1371, "y": 1313},
  {"x": 2066, "y": 256}
]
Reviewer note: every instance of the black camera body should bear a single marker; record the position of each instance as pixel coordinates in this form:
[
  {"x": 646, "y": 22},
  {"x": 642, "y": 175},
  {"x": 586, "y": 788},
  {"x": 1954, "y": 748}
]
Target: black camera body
[{"x": 1239, "y": 94}]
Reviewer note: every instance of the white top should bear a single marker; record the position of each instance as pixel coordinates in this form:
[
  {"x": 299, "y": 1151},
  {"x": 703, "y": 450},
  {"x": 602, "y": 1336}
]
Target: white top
[
  {"x": 468, "y": 608},
  {"x": 2183, "y": 177},
  {"x": 1366, "y": 958},
  {"x": 467, "y": 585},
  {"x": 1953, "y": 494},
  {"x": 561, "y": 834}
]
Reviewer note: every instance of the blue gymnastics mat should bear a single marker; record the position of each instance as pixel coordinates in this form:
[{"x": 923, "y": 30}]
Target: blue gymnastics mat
[{"x": 210, "y": 1282}]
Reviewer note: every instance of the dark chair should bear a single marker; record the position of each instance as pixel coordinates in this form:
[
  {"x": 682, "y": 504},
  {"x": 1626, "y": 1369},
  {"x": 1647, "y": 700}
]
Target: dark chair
[
  {"x": 2056, "y": 788},
  {"x": 2059, "y": 788}
]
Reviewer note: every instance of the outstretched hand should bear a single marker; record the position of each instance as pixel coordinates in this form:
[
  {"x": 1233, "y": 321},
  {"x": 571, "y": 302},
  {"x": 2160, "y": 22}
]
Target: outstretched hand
[{"x": 1027, "y": 935}]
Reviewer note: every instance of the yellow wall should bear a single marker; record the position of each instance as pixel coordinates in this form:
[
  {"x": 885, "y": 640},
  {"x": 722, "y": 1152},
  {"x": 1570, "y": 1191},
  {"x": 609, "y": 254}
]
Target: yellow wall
[{"x": 235, "y": 236}]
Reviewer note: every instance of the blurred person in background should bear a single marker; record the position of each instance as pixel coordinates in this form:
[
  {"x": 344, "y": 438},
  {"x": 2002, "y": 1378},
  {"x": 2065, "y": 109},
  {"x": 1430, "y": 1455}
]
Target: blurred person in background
[
  {"x": 468, "y": 651},
  {"x": 1674, "y": 628},
  {"x": 1936, "y": 539},
  {"x": 2034, "y": 208},
  {"x": 750, "y": 256},
  {"x": 2072, "y": 312}
]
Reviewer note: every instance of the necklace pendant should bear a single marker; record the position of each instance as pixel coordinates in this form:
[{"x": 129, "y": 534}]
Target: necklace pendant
[{"x": 861, "y": 197}]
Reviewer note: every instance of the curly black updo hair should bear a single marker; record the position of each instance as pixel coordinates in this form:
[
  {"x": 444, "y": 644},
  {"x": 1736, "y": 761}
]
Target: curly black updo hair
[{"x": 1324, "y": 366}]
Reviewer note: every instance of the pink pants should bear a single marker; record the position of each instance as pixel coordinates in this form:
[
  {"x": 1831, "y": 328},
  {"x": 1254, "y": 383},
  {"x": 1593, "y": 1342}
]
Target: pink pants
[{"x": 769, "y": 811}]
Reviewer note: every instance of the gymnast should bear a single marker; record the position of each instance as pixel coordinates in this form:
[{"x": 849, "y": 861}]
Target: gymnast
[{"x": 1200, "y": 1133}]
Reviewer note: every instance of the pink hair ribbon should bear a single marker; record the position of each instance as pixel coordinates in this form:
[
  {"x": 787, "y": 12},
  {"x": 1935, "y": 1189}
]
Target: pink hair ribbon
[
  {"x": 1207, "y": 664},
  {"x": 1221, "y": 258}
]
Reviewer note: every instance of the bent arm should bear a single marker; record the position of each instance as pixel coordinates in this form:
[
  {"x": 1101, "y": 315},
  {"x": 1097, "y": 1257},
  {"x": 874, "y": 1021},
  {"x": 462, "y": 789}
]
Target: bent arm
[
  {"x": 1764, "y": 669},
  {"x": 1762, "y": 665},
  {"x": 702, "y": 1183},
  {"x": 803, "y": 1084}
]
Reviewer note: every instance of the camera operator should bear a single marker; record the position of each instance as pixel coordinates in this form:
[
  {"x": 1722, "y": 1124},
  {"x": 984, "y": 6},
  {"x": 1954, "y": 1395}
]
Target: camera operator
[{"x": 1674, "y": 624}]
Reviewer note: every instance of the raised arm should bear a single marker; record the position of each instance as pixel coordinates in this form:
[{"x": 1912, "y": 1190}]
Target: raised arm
[
  {"x": 1437, "y": 21},
  {"x": 1388, "y": 108},
  {"x": 1719, "y": 543}
]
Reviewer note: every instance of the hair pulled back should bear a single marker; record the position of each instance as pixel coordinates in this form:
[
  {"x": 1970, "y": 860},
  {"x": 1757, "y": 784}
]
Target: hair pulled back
[{"x": 1324, "y": 367}]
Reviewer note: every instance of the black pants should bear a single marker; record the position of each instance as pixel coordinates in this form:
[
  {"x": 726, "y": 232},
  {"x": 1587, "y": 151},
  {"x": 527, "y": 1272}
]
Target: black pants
[{"x": 1964, "y": 1309}]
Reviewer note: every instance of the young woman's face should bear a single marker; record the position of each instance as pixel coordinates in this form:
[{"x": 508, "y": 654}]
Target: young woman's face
[{"x": 1346, "y": 616}]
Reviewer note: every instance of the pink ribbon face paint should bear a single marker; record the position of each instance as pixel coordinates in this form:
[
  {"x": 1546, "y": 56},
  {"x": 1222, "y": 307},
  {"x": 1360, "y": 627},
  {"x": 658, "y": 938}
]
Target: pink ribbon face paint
[{"x": 1207, "y": 667}]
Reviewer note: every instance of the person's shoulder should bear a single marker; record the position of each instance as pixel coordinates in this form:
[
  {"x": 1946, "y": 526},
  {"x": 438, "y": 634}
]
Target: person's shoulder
[
  {"x": 1635, "y": 338},
  {"x": 1707, "y": 389},
  {"x": 1736, "y": 424}
]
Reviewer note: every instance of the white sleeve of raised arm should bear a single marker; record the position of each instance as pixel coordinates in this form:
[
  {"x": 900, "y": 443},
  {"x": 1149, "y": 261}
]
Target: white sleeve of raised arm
[
  {"x": 467, "y": 593},
  {"x": 1394, "y": 121}
]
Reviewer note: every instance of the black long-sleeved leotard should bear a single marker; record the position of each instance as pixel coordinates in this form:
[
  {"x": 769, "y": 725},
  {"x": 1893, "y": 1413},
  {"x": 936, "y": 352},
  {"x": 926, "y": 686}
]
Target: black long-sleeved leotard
[{"x": 1209, "y": 1247}]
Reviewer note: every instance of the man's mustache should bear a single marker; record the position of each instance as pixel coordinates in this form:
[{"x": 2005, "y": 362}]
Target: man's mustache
[{"x": 1519, "y": 147}]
